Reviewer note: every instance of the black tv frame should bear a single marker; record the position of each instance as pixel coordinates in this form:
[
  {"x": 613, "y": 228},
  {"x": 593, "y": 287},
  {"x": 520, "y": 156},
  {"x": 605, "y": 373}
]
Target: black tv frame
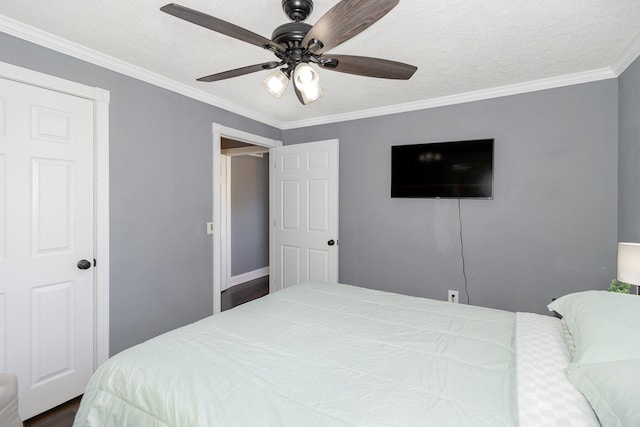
[{"x": 440, "y": 154}]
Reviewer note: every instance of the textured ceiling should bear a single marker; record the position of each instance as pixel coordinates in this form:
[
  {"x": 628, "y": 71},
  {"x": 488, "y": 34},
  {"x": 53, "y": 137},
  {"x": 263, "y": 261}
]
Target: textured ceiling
[{"x": 458, "y": 46}]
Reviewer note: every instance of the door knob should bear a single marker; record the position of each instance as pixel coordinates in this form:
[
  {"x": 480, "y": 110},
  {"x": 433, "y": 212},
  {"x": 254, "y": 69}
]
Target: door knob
[
  {"x": 83, "y": 264},
  {"x": 331, "y": 242}
]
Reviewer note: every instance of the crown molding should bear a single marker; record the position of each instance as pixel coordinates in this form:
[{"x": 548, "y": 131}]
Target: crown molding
[
  {"x": 58, "y": 44},
  {"x": 479, "y": 95},
  {"x": 42, "y": 38},
  {"x": 628, "y": 55}
]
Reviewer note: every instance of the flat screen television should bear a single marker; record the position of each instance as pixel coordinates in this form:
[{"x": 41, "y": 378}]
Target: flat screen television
[{"x": 457, "y": 169}]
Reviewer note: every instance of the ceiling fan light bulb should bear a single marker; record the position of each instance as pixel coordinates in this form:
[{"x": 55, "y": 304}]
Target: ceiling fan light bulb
[
  {"x": 305, "y": 76},
  {"x": 276, "y": 83}
]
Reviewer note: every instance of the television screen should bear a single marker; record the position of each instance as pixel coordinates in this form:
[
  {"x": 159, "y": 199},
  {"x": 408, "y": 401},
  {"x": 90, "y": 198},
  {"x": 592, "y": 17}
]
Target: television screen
[{"x": 459, "y": 169}]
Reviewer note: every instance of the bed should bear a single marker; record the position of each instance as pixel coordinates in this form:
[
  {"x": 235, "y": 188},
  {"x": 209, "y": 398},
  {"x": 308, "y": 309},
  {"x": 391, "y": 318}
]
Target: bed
[{"x": 338, "y": 355}]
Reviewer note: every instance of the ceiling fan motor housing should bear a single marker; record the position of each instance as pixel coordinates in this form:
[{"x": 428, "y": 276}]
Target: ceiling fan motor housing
[
  {"x": 290, "y": 32},
  {"x": 297, "y": 10}
]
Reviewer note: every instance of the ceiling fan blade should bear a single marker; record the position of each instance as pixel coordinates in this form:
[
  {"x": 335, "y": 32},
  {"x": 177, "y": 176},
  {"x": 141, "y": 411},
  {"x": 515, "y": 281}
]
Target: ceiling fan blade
[
  {"x": 239, "y": 71},
  {"x": 369, "y": 67},
  {"x": 220, "y": 26},
  {"x": 345, "y": 20}
]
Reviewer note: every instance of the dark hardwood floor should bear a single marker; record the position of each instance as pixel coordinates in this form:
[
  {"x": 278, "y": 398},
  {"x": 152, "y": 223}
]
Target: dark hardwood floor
[
  {"x": 60, "y": 416},
  {"x": 63, "y": 415},
  {"x": 244, "y": 292}
]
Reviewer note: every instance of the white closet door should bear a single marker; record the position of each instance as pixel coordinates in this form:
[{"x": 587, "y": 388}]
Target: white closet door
[{"x": 46, "y": 228}]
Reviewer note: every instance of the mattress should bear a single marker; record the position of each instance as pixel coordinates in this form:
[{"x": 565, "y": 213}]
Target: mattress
[{"x": 318, "y": 355}]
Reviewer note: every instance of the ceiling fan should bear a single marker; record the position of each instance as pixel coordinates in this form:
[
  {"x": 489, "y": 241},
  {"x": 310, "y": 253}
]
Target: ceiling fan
[{"x": 298, "y": 44}]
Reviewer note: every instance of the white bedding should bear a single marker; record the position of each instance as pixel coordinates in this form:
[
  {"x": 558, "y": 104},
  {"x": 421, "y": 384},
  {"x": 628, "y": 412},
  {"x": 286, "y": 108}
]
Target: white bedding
[{"x": 317, "y": 355}]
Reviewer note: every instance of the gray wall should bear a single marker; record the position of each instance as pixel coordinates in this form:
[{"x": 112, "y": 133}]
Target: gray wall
[
  {"x": 249, "y": 213},
  {"x": 550, "y": 229},
  {"x": 629, "y": 155},
  {"x": 161, "y": 194}
]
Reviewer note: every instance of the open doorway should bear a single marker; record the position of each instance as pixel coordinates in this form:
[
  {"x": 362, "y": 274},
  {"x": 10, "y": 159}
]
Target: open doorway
[
  {"x": 237, "y": 144},
  {"x": 244, "y": 183}
]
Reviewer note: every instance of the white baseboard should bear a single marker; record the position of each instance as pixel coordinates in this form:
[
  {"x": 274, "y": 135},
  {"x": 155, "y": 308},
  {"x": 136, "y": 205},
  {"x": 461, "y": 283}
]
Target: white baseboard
[{"x": 248, "y": 276}]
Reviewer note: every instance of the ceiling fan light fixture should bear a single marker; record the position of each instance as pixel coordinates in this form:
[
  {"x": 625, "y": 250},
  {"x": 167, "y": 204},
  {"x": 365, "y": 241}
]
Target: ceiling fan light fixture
[
  {"x": 276, "y": 83},
  {"x": 296, "y": 44},
  {"x": 306, "y": 79}
]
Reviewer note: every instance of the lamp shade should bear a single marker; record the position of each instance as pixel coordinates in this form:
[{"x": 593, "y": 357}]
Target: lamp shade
[
  {"x": 307, "y": 81},
  {"x": 276, "y": 83},
  {"x": 629, "y": 263}
]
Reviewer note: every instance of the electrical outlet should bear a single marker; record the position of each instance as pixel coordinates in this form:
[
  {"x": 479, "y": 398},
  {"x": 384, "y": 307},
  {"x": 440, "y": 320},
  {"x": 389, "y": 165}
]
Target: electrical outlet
[{"x": 453, "y": 296}]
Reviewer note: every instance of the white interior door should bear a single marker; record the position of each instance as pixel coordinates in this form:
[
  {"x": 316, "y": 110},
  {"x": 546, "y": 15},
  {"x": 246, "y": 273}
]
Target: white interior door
[
  {"x": 46, "y": 227},
  {"x": 304, "y": 200}
]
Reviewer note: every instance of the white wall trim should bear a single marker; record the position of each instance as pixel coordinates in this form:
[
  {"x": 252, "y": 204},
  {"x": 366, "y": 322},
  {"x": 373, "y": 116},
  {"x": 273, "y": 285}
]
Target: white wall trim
[
  {"x": 217, "y": 219},
  {"x": 42, "y": 38},
  {"x": 35, "y": 78},
  {"x": 225, "y": 221},
  {"x": 249, "y": 138},
  {"x": 48, "y": 40},
  {"x": 628, "y": 55},
  {"x": 248, "y": 276},
  {"x": 100, "y": 98},
  {"x": 219, "y": 132},
  {"x": 102, "y": 226},
  {"x": 479, "y": 95},
  {"x": 245, "y": 151}
]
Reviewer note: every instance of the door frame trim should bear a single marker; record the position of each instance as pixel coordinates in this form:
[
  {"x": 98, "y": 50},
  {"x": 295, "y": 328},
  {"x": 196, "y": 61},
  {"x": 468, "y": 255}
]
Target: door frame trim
[
  {"x": 100, "y": 99},
  {"x": 225, "y": 221},
  {"x": 220, "y": 252}
]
